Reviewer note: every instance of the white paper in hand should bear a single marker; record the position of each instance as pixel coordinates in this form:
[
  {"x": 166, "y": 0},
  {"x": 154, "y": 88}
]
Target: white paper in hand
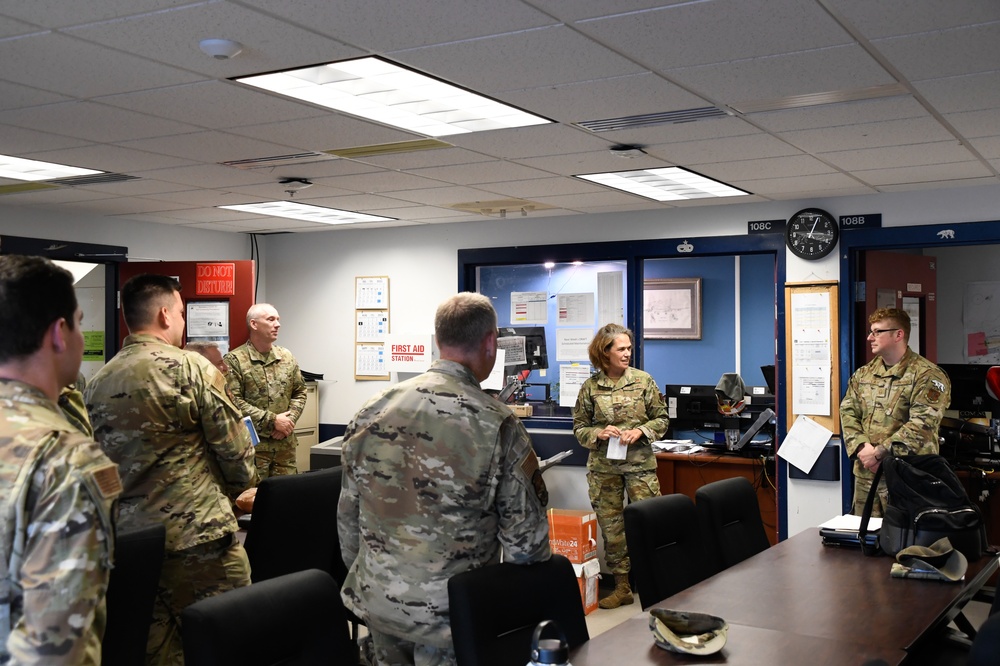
[{"x": 616, "y": 450}]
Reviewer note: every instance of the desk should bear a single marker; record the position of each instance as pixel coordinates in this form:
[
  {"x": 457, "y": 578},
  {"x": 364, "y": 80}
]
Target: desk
[
  {"x": 685, "y": 474},
  {"x": 805, "y": 594}
]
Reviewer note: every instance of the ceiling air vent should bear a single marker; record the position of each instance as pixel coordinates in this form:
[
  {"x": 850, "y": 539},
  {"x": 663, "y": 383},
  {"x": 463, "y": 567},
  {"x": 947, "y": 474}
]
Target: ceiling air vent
[
  {"x": 650, "y": 119},
  {"x": 96, "y": 179},
  {"x": 279, "y": 161},
  {"x": 389, "y": 148}
]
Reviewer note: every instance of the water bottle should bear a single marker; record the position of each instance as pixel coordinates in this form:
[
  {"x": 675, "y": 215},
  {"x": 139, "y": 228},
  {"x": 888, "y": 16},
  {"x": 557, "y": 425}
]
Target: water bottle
[{"x": 549, "y": 651}]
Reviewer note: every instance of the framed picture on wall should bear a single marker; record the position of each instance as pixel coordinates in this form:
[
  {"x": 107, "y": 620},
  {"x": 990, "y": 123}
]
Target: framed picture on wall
[{"x": 671, "y": 309}]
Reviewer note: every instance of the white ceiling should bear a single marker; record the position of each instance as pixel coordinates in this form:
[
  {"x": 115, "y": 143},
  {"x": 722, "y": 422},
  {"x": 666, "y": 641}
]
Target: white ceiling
[{"x": 121, "y": 86}]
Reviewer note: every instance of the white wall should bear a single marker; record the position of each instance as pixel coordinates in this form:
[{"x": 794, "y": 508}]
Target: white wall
[{"x": 310, "y": 279}]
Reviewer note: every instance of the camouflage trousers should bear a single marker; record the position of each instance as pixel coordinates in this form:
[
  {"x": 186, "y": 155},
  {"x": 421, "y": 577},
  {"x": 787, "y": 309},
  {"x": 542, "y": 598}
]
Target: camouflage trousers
[
  {"x": 393, "y": 651},
  {"x": 190, "y": 575},
  {"x": 275, "y": 462},
  {"x": 862, "y": 484},
  {"x": 607, "y": 493}
]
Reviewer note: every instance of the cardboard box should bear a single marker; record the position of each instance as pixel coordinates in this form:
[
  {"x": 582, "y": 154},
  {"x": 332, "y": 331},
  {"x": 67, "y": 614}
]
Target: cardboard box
[
  {"x": 587, "y": 575},
  {"x": 522, "y": 411},
  {"x": 573, "y": 533}
]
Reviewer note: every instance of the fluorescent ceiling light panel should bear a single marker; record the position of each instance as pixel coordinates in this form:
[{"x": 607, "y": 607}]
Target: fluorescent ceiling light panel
[
  {"x": 666, "y": 184},
  {"x": 387, "y": 93},
  {"x": 17, "y": 168},
  {"x": 297, "y": 211}
]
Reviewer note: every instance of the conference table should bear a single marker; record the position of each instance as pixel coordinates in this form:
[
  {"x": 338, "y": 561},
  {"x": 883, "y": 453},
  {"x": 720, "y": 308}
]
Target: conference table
[{"x": 802, "y": 602}]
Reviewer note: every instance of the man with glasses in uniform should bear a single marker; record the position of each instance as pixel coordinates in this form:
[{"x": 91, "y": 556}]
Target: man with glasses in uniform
[{"x": 893, "y": 405}]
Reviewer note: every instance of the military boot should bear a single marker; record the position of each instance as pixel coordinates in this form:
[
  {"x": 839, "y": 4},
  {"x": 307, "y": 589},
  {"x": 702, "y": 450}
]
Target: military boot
[{"x": 622, "y": 596}]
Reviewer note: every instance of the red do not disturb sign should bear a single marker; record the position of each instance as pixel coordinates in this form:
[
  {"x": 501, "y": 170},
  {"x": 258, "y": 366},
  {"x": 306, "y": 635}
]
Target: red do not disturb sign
[{"x": 215, "y": 279}]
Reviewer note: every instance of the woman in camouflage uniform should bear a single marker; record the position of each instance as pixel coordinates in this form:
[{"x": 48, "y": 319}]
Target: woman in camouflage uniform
[{"x": 623, "y": 403}]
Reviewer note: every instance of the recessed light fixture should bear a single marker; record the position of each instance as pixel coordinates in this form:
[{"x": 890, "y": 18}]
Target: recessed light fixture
[
  {"x": 297, "y": 211},
  {"x": 18, "y": 168},
  {"x": 665, "y": 184},
  {"x": 388, "y": 93}
]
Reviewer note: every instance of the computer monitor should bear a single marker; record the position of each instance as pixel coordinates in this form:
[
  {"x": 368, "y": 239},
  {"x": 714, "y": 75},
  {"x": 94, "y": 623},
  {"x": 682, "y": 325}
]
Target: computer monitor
[
  {"x": 692, "y": 407},
  {"x": 969, "y": 397},
  {"x": 524, "y": 347}
]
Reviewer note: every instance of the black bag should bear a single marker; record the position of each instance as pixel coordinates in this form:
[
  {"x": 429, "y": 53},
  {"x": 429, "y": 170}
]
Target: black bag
[{"x": 926, "y": 502}]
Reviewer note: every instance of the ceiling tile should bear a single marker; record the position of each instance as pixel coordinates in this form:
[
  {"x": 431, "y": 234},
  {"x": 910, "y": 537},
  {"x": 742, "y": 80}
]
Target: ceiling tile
[
  {"x": 717, "y": 32},
  {"x": 526, "y": 59},
  {"x": 837, "y": 115},
  {"x": 970, "y": 92},
  {"x": 481, "y": 172},
  {"x": 109, "y": 157},
  {"x": 93, "y": 122},
  {"x": 390, "y": 25},
  {"x": 211, "y": 147},
  {"x": 940, "y": 53},
  {"x": 727, "y": 149},
  {"x": 933, "y": 173},
  {"x": 942, "y": 152},
  {"x": 868, "y": 135},
  {"x": 324, "y": 132},
  {"x": 975, "y": 124},
  {"x": 821, "y": 70},
  {"x": 269, "y": 43},
  {"x": 65, "y": 65},
  {"x": 887, "y": 18},
  {"x": 535, "y": 141},
  {"x": 59, "y": 14},
  {"x": 15, "y": 96}
]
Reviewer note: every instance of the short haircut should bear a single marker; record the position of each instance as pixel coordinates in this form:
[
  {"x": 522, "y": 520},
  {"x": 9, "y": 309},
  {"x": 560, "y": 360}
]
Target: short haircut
[
  {"x": 34, "y": 293},
  {"x": 898, "y": 317},
  {"x": 464, "y": 320},
  {"x": 601, "y": 344},
  {"x": 257, "y": 310},
  {"x": 143, "y": 295},
  {"x": 201, "y": 346}
]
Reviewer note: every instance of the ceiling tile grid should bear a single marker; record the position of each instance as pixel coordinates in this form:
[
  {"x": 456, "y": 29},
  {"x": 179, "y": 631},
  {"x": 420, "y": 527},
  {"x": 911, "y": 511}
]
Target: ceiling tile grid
[{"x": 122, "y": 86}]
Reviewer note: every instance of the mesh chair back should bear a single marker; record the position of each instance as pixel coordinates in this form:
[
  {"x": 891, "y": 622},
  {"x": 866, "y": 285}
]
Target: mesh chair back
[
  {"x": 665, "y": 546},
  {"x": 131, "y": 593},
  {"x": 730, "y": 519},
  {"x": 495, "y": 609}
]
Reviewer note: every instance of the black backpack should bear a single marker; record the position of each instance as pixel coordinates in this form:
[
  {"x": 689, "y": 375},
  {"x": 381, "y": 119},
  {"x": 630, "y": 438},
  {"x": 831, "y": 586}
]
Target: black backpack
[{"x": 926, "y": 502}]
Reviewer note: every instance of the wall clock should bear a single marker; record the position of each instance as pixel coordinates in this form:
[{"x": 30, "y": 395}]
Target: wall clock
[{"x": 811, "y": 233}]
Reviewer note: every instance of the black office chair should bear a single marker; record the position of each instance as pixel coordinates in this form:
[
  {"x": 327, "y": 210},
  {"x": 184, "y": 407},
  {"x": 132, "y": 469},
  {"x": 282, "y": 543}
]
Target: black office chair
[
  {"x": 131, "y": 592},
  {"x": 665, "y": 546},
  {"x": 292, "y": 620},
  {"x": 985, "y": 650},
  {"x": 495, "y": 609},
  {"x": 294, "y": 525},
  {"x": 730, "y": 520}
]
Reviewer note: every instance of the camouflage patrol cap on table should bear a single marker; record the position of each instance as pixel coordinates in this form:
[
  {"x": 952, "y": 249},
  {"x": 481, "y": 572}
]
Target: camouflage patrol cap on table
[{"x": 689, "y": 633}]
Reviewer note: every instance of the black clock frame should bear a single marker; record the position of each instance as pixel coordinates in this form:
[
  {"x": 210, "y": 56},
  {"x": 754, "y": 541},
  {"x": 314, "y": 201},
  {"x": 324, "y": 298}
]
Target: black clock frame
[{"x": 824, "y": 249}]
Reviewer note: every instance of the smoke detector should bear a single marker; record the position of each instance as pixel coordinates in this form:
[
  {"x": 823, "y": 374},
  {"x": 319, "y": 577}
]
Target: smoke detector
[
  {"x": 220, "y": 49},
  {"x": 293, "y": 185}
]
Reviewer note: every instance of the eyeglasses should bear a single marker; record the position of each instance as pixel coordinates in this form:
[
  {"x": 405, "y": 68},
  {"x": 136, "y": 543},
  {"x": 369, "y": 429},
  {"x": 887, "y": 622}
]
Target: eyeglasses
[{"x": 875, "y": 332}]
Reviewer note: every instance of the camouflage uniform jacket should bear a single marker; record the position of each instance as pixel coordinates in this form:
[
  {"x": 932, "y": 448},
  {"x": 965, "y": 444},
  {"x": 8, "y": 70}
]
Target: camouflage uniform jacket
[
  {"x": 437, "y": 476},
  {"x": 634, "y": 401},
  {"x": 264, "y": 386},
  {"x": 899, "y": 408},
  {"x": 163, "y": 415},
  {"x": 56, "y": 495}
]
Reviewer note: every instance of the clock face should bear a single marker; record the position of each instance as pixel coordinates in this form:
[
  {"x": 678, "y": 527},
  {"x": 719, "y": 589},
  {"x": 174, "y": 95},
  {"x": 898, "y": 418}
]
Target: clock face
[{"x": 812, "y": 233}]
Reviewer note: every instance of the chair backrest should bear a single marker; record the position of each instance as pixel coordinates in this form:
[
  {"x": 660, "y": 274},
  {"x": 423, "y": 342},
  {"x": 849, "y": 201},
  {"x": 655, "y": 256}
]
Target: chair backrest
[
  {"x": 294, "y": 525},
  {"x": 730, "y": 520},
  {"x": 665, "y": 546},
  {"x": 131, "y": 593},
  {"x": 986, "y": 645},
  {"x": 495, "y": 609},
  {"x": 295, "y": 619}
]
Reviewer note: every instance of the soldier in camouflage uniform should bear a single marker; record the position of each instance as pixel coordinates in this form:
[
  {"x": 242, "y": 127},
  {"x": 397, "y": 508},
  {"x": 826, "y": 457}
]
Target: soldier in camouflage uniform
[
  {"x": 267, "y": 386},
  {"x": 621, "y": 402},
  {"x": 438, "y": 476},
  {"x": 163, "y": 415},
  {"x": 56, "y": 486},
  {"x": 893, "y": 405}
]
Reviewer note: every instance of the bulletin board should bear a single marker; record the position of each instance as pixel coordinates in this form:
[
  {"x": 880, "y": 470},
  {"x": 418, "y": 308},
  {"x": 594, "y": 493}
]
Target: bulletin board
[{"x": 812, "y": 343}]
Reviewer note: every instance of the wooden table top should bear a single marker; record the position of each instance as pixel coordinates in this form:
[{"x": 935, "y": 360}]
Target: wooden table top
[{"x": 831, "y": 605}]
